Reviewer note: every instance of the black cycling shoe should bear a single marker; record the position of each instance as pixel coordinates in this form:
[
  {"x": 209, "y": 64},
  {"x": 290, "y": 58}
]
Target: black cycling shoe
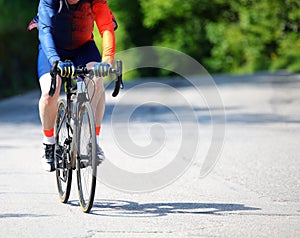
[{"x": 47, "y": 161}]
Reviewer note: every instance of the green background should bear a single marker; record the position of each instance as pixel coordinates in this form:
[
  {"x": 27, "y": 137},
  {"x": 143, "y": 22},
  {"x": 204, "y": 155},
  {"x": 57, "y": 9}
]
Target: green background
[{"x": 238, "y": 36}]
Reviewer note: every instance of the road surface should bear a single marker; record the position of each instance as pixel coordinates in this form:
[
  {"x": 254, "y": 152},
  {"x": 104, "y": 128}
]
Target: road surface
[{"x": 253, "y": 189}]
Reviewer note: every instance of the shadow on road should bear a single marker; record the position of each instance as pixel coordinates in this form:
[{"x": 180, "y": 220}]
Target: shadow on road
[
  {"x": 18, "y": 215},
  {"x": 121, "y": 208}
]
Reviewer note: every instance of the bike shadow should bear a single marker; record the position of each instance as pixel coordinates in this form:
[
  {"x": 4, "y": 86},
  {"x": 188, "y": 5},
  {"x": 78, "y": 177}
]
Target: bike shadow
[
  {"x": 122, "y": 208},
  {"x": 21, "y": 215}
]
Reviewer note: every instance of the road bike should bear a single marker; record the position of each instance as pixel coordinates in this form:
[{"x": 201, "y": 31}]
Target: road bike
[{"x": 75, "y": 145}]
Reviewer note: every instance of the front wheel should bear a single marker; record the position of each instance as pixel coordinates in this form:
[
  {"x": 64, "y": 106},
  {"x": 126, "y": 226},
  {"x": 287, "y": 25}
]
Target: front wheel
[
  {"x": 62, "y": 156},
  {"x": 86, "y": 157}
]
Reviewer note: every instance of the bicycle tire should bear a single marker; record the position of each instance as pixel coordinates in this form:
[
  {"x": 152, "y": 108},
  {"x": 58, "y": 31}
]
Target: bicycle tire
[
  {"x": 86, "y": 157},
  {"x": 62, "y": 156}
]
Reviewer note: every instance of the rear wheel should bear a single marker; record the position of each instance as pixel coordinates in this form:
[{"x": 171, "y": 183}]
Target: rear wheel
[
  {"x": 86, "y": 157},
  {"x": 62, "y": 156}
]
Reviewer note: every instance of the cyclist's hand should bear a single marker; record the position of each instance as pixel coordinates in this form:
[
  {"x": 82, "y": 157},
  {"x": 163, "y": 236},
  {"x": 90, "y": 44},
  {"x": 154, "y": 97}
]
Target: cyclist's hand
[
  {"x": 66, "y": 69},
  {"x": 102, "y": 69}
]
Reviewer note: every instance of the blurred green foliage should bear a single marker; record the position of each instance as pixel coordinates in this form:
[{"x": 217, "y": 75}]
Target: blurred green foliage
[
  {"x": 260, "y": 35},
  {"x": 237, "y": 36},
  {"x": 18, "y": 48}
]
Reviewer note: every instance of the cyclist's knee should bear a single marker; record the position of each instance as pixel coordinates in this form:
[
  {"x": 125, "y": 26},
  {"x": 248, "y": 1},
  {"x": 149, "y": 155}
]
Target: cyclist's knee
[
  {"x": 45, "y": 82},
  {"x": 99, "y": 84},
  {"x": 98, "y": 81},
  {"x": 47, "y": 98}
]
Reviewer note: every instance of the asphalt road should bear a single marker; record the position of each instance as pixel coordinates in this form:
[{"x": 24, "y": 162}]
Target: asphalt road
[{"x": 251, "y": 187}]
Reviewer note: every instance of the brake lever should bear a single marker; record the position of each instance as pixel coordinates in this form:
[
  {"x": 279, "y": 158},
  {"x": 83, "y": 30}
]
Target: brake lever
[
  {"x": 119, "y": 82},
  {"x": 53, "y": 73}
]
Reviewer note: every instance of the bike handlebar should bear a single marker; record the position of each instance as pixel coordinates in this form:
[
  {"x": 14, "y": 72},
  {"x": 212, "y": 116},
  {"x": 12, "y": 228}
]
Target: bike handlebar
[{"x": 84, "y": 71}]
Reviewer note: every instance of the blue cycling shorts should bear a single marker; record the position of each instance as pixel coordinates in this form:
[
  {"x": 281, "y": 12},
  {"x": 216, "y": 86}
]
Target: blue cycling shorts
[{"x": 80, "y": 56}]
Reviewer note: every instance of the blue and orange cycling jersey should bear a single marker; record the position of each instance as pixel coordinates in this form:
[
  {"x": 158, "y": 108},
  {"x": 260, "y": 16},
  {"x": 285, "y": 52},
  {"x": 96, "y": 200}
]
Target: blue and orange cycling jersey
[{"x": 68, "y": 27}]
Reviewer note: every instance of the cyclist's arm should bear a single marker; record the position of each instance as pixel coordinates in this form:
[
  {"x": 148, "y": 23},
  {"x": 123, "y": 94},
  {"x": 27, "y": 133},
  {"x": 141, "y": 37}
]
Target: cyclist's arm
[
  {"x": 105, "y": 26},
  {"x": 46, "y": 11}
]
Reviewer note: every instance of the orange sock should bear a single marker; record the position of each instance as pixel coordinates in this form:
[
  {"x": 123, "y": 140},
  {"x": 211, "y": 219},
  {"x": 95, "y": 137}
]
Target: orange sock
[
  {"x": 49, "y": 136},
  {"x": 49, "y": 133},
  {"x": 98, "y": 128}
]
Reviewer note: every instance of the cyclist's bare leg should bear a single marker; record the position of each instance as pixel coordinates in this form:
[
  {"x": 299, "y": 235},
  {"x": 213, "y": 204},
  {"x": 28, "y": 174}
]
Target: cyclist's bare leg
[
  {"x": 97, "y": 95},
  {"x": 99, "y": 103},
  {"x": 98, "y": 100},
  {"x": 47, "y": 104}
]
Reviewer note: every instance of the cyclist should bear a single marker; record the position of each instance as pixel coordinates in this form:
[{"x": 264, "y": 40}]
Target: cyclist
[{"x": 65, "y": 33}]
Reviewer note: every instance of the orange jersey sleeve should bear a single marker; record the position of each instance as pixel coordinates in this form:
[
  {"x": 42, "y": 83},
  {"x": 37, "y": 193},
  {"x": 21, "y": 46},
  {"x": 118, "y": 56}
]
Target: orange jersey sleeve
[{"x": 105, "y": 26}]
